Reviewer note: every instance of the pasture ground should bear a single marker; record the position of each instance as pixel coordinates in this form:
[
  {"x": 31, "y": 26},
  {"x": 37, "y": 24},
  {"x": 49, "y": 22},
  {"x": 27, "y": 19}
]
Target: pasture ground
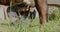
[{"x": 52, "y": 26}]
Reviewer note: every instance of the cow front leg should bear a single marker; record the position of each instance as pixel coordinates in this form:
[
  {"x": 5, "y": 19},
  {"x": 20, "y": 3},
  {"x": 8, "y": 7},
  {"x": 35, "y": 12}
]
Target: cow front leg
[
  {"x": 41, "y": 6},
  {"x": 44, "y": 13}
]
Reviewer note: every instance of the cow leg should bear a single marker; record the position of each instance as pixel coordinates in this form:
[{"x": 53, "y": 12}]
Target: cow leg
[{"x": 41, "y": 6}]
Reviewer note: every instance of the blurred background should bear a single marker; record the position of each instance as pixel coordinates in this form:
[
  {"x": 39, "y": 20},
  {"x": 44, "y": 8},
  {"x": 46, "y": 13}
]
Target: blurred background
[{"x": 29, "y": 25}]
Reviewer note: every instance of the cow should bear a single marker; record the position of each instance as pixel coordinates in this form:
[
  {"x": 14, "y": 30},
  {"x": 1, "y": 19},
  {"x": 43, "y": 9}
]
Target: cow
[{"x": 41, "y": 6}]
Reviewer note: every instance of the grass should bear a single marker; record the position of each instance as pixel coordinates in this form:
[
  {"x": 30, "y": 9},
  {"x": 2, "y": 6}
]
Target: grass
[{"x": 52, "y": 26}]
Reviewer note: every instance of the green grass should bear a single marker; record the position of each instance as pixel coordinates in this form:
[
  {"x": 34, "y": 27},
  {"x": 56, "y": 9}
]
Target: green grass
[{"x": 52, "y": 26}]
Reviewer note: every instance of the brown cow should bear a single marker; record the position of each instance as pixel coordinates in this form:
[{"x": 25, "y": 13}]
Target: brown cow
[{"x": 41, "y": 6}]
